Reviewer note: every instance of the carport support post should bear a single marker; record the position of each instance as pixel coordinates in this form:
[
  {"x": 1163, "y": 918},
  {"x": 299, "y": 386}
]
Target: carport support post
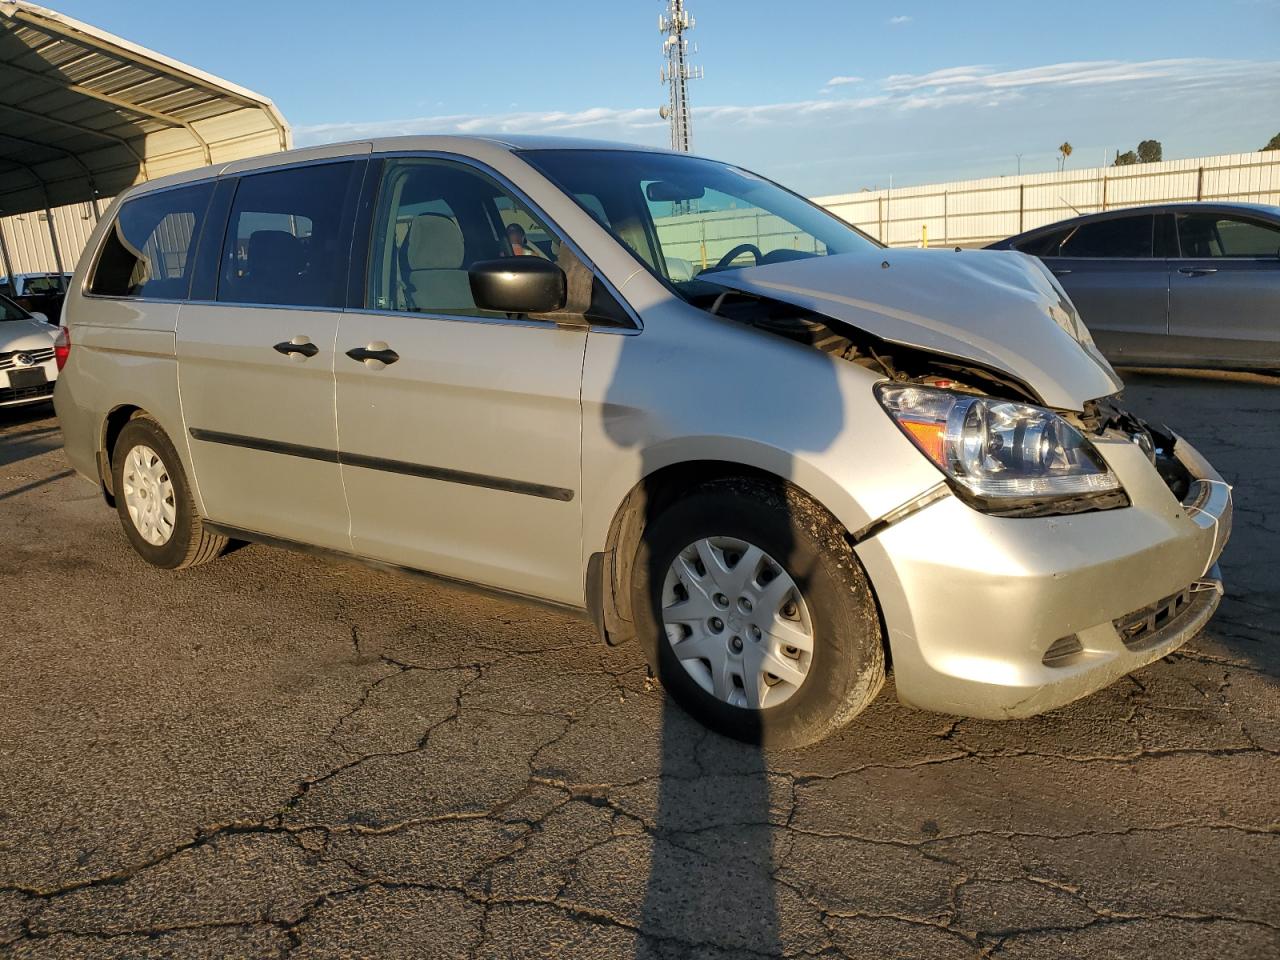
[
  {"x": 8, "y": 264},
  {"x": 53, "y": 238}
]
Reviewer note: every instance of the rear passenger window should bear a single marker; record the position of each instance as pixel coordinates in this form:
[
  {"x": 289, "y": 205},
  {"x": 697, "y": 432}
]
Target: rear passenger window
[
  {"x": 285, "y": 242},
  {"x": 1127, "y": 237},
  {"x": 148, "y": 250}
]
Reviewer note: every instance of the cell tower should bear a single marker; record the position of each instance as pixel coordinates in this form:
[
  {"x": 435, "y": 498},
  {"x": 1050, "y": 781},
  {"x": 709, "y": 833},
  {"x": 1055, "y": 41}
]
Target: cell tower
[{"x": 677, "y": 73}]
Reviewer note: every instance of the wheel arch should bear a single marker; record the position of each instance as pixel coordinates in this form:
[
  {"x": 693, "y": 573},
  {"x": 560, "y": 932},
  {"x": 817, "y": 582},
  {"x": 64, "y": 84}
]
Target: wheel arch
[
  {"x": 609, "y": 566},
  {"x": 108, "y": 433}
]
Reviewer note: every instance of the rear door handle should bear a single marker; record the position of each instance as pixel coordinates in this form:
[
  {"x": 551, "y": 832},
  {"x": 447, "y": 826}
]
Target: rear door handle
[
  {"x": 1196, "y": 271},
  {"x": 383, "y": 354},
  {"x": 298, "y": 345},
  {"x": 1061, "y": 273}
]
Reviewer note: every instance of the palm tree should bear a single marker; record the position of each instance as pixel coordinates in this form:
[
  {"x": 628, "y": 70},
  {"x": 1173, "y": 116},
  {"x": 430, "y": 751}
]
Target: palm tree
[{"x": 1064, "y": 151}]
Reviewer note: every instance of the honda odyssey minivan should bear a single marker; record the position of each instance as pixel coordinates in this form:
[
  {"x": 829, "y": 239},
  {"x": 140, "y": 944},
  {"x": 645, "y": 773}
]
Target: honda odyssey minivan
[{"x": 653, "y": 388}]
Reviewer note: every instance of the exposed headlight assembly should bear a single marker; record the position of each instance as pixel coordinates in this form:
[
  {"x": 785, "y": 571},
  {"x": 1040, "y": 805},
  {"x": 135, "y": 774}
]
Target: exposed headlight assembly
[{"x": 1003, "y": 457}]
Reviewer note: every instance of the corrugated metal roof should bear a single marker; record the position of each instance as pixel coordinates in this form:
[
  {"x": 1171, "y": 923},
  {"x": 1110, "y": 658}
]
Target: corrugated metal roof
[{"x": 84, "y": 114}]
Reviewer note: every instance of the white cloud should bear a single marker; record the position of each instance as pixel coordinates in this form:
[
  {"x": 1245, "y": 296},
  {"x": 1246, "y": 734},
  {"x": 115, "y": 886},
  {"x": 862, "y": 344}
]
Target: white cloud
[
  {"x": 974, "y": 86},
  {"x": 1074, "y": 74},
  {"x": 898, "y": 21}
]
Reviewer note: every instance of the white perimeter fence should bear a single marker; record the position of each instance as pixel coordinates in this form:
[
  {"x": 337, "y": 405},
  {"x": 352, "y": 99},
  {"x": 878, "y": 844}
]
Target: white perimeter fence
[
  {"x": 962, "y": 213},
  {"x": 975, "y": 212}
]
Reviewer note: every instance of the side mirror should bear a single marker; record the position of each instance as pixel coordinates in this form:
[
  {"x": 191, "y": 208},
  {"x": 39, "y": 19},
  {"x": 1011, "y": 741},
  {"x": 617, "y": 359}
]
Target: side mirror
[
  {"x": 37, "y": 315},
  {"x": 518, "y": 285}
]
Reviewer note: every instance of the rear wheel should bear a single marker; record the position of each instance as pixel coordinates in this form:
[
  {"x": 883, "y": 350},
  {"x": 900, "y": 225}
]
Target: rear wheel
[
  {"x": 154, "y": 500},
  {"x": 756, "y": 614}
]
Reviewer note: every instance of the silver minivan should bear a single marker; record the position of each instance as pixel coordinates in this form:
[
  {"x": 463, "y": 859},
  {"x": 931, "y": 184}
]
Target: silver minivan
[{"x": 653, "y": 388}]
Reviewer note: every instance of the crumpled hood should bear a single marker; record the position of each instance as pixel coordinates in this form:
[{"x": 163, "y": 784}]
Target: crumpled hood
[
  {"x": 26, "y": 335},
  {"x": 996, "y": 308}
]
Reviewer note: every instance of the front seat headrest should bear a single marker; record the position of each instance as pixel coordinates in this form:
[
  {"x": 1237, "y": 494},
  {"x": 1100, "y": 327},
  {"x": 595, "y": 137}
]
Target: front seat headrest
[{"x": 434, "y": 243}]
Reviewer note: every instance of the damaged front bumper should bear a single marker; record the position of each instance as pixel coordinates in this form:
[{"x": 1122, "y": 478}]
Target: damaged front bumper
[{"x": 1009, "y": 617}]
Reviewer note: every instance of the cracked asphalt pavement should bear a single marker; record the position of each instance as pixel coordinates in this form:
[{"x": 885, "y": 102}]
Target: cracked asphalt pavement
[{"x": 276, "y": 754}]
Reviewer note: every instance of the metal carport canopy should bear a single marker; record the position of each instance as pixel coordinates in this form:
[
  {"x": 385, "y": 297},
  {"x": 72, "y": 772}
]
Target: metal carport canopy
[{"x": 84, "y": 114}]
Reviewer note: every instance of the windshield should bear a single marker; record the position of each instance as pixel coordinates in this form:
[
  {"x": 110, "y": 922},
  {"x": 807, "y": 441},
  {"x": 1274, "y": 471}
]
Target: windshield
[
  {"x": 46, "y": 283},
  {"x": 10, "y": 310},
  {"x": 687, "y": 218}
]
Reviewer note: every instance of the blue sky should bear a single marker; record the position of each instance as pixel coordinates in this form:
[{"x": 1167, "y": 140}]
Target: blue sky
[{"x": 826, "y": 96}]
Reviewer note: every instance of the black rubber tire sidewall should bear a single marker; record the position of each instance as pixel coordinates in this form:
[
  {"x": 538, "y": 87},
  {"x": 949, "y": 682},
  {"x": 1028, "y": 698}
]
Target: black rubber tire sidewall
[
  {"x": 177, "y": 551},
  {"x": 848, "y": 660}
]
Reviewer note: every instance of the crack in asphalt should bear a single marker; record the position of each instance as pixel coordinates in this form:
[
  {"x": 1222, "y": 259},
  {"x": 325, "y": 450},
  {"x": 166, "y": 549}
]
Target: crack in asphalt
[{"x": 545, "y": 763}]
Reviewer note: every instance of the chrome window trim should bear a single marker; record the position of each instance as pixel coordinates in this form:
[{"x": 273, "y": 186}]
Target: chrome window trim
[
  {"x": 262, "y": 306},
  {"x": 108, "y": 296}
]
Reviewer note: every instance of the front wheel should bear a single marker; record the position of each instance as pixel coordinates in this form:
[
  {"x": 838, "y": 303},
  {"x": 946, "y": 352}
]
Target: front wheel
[
  {"x": 154, "y": 500},
  {"x": 755, "y": 613}
]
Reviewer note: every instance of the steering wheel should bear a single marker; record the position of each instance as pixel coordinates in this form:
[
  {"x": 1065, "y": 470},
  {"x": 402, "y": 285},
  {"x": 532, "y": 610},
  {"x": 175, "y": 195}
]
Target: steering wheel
[{"x": 738, "y": 251}]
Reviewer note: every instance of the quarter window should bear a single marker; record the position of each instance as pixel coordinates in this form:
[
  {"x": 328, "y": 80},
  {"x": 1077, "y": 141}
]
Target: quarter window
[
  {"x": 1205, "y": 235},
  {"x": 285, "y": 242},
  {"x": 148, "y": 250},
  {"x": 1045, "y": 245},
  {"x": 1120, "y": 237}
]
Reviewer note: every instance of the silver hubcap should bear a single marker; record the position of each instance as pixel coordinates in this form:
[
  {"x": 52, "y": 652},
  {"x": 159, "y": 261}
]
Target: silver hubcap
[
  {"x": 148, "y": 495},
  {"x": 737, "y": 622}
]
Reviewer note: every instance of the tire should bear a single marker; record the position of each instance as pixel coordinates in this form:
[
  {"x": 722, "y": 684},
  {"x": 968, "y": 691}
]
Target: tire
[
  {"x": 841, "y": 673},
  {"x": 167, "y": 532}
]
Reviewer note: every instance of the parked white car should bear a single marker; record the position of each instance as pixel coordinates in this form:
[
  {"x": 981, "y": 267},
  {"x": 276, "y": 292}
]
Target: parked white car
[
  {"x": 27, "y": 364},
  {"x": 776, "y": 464}
]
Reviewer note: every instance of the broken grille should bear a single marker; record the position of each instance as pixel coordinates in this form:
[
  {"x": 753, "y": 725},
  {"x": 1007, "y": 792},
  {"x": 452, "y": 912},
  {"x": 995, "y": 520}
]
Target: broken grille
[{"x": 1139, "y": 628}]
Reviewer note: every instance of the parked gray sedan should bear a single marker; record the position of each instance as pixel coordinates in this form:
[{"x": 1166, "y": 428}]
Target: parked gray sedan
[{"x": 1179, "y": 284}]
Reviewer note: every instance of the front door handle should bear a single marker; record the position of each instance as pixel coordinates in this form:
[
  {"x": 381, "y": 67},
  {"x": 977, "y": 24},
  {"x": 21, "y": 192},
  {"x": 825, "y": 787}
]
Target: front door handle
[
  {"x": 298, "y": 345},
  {"x": 1197, "y": 271},
  {"x": 1061, "y": 273},
  {"x": 381, "y": 354}
]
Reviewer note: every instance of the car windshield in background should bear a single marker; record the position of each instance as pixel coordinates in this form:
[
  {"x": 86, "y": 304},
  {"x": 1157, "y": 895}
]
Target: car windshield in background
[
  {"x": 686, "y": 218},
  {"x": 50, "y": 283},
  {"x": 11, "y": 311}
]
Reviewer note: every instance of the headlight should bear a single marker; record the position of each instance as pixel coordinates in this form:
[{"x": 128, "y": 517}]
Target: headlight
[{"x": 1002, "y": 454}]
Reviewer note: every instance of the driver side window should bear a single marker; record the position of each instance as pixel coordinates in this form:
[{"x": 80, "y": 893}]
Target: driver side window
[{"x": 433, "y": 220}]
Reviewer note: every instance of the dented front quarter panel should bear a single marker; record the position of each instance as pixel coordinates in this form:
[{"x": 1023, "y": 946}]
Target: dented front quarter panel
[
  {"x": 997, "y": 309},
  {"x": 972, "y": 602}
]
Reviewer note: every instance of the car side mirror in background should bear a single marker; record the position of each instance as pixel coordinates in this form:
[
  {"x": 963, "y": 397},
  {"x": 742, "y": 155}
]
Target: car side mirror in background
[
  {"x": 518, "y": 285},
  {"x": 37, "y": 315}
]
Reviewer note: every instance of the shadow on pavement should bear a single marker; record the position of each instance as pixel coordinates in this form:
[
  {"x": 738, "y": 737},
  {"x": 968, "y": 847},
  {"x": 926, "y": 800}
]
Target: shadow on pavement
[
  {"x": 712, "y": 875},
  {"x": 33, "y": 432}
]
